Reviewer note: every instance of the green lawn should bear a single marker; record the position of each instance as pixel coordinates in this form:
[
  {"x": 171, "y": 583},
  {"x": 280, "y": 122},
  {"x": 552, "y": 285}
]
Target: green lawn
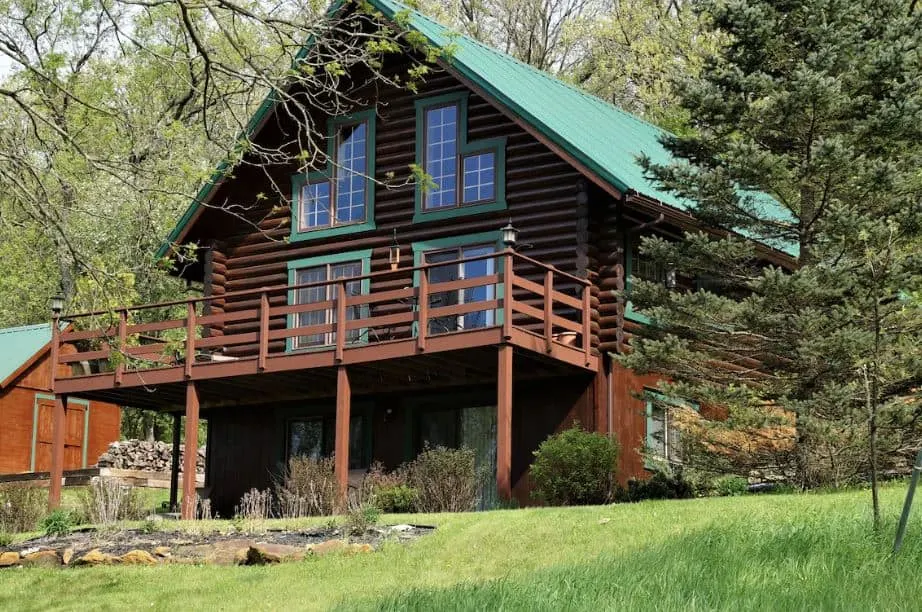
[{"x": 760, "y": 552}]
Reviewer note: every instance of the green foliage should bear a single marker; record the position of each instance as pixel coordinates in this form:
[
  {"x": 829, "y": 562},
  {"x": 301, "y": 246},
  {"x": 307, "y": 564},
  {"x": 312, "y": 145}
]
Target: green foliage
[
  {"x": 731, "y": 486},
  {"x": 659, "y": 486},
  {"x": 148, "y": 527},
  {"x": 57, "y": 523},
  {"x": 361, "y": 518},
  {"x": 6, "y": 539},
  {"x": 574, "y": 467},
  {"x": 398, "y": 498},
  {"x": 21, "y": 507},
  {"x": 445, "y": 480}
]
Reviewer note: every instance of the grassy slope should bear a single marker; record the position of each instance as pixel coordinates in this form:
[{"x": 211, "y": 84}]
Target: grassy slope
[{"x": 779, "y": 552}]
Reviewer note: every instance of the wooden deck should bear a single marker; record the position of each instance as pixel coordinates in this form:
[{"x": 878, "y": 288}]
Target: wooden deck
[{"x": 121, "y": 354}]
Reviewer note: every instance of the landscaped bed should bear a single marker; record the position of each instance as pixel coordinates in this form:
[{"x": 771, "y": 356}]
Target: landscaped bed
[{"x": 237, "y": 546}]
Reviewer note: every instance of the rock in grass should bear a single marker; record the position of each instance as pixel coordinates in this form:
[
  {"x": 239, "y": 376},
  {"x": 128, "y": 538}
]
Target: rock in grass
[
  {"x": 9, "y": 559},
  {"x": 162, "y": 551},
  {"x": 138, "y": 557},
  {"x": 67, "y": 555},
  {"x": 96, "y": 557},
  {"x": 42, "y": 558},
  {"x": 264, "y": 554},
  {"x": 325, "y": 548}
]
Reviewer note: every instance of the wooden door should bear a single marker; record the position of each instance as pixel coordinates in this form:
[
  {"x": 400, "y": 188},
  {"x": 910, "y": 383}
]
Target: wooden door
[{"x": 73, "y": 435}]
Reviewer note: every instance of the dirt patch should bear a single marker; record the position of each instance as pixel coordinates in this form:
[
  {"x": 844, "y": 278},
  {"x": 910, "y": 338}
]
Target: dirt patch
[{"x": 134, "y": 546}]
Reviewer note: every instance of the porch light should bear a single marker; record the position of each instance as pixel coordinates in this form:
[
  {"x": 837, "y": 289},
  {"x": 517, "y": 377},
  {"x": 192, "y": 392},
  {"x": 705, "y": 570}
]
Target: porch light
[
  {"x": 394, "y": 254},
  {"x": 670, "y": 276},
  {"x": 510, "y": 235},
  {"x": 56, "y": 303}
]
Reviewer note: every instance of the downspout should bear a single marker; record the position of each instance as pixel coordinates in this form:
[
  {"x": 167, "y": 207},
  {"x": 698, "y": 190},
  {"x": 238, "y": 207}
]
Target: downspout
[{"x": 608, "y": 364}]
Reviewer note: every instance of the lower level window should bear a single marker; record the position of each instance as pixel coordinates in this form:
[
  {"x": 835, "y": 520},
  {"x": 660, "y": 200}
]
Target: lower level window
[
  {"x": 457, "y": 270},
  {"x": 322, "y": 291},
  {"x": 314, "y": 438},
  {"x": 663, "y": 435}
]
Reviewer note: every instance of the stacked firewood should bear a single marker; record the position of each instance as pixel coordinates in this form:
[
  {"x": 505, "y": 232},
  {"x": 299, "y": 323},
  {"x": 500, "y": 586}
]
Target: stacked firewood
[{"x": 145, "y": 456}]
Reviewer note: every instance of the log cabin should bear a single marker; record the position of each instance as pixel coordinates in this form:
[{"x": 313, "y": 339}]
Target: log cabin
[
  {"x": 362, "y": 319},
  {"x": 27, "y": 405}
]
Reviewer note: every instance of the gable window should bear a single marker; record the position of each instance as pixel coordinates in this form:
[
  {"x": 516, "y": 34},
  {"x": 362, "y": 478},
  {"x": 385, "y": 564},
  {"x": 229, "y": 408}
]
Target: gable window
[
  {"x": 453, "y": 253},
  {"x": 340, "y": 198},
  {"x": 462, "y": 177},
  {"x": 663, "y": 436},
  {"x": 313, "y": 438},
  {"x": 320, "y": 275}
]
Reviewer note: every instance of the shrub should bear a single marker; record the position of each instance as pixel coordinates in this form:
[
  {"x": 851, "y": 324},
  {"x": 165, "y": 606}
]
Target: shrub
[
  {"x": 255, "y": 505},
  {"x": 574, "y": 467},
  {"x": 58, "y": 523},
  {"x": 445, "y": 480},
  {"x": 361, "y": 518},
  {"x": 730, "y": 486},
  {"x": 308, "y": 488},
  {"x": 659, "y": 486},
  {"x": 6, "y": 539},
  {"x": 108, "y": 500},
  {"x": 21, "y": 507},
  {"x": 398, "y": 498}
]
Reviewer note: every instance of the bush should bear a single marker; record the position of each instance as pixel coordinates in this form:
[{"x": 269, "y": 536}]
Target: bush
[
  {"x": 108, "y": 500},
  {"x": 574, "y": 467},
  {"x": 361, "y": 518},
  {"x": 658, "y": 486},
  {"x": 255, "y": 505},
  {"x": 6, "y": 539},
  {"x": 58, "y": 523},
  {"x": 730, "y": 486},
  {"x": 21, "y": 507},
  {"x": 393, "y": 499},
  {"x": 308, "y": 488},
  {"x": 445, "y": 480}
]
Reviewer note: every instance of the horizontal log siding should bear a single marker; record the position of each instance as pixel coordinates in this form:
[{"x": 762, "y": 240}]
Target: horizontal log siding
[{"x": 541, "y": 191}]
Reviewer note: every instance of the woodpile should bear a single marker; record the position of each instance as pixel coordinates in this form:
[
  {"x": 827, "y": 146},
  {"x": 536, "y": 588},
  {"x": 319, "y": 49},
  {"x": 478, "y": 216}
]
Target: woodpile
[{"x": 141, "y": 455}]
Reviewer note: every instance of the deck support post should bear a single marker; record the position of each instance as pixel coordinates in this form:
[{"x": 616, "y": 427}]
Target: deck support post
[
  {"x": 58, "y": 426},
  {"x": 341, "y": 447},
  {"x": 174, "y": 467},
  {"x": 504, "y": 422},
  {"x": 190, "y": 457}
]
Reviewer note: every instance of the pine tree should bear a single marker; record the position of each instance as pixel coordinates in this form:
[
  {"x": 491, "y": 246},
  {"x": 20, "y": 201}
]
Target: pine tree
[{"x": 806, "y": 137}]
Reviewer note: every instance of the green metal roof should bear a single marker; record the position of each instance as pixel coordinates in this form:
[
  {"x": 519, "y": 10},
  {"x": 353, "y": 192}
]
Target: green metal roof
[
  {"x": 20, "y": 344},
  {"x": 603, "y": 137}
]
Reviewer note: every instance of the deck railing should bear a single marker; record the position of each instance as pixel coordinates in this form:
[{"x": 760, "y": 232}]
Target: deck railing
[{"x": 518, "y": 292}]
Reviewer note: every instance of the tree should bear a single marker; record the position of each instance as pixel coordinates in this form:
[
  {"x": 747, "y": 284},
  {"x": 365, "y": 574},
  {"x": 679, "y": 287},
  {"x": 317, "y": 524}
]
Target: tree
[{"x": 805, "y": 138}]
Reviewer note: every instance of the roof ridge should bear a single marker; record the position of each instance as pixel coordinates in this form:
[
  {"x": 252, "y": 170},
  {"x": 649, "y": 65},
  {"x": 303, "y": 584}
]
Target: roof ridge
[{"x": 19, "y": 328}]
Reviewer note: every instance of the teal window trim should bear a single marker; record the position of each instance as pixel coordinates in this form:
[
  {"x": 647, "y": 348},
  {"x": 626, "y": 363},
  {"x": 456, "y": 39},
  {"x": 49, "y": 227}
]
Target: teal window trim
[
  {"x": 363, "y": 256},
  {"x": 425, "y": 246},
  {"x": 86, "y": 425},
  {"x": 497, "y": 146},
  {"x": 651, "y": 397},
  {"x": 629, "y": 312},
  {"x": 328, "y": 173}
]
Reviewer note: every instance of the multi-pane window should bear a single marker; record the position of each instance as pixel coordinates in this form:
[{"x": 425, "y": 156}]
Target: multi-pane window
[
  {"x": 344, "y": 199},
  {"x": 457, "y": 270},
  {"x": 321, "y": 290},
  {"x": 663, "y": 434},
  {"x": 458, "y": 178},
  {"x": 313, "y": 437}
]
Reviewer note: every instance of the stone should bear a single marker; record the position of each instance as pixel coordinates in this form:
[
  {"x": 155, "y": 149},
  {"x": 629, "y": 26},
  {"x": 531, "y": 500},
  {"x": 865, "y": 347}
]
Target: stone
[
  {"x": 264, "y": 554},
  {"x": 9, "y": 559},
  {"x": 138, "y": 557},
  {"x": 604, "y": 521},
  {"x": 402, "y": 528},
  {"x": 162, "y": 551},
  {"x": 361, "y": 548},
  {"x": 96, "y": 557},
  {"x": 67, "y": 555},
  {"x": 325, "y": 548},
  {"x": 225, "y": 552},
  {"x": 42, "y": 558}
]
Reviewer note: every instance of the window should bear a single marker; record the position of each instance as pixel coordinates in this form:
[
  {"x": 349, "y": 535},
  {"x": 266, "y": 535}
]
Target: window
[
  {"x": 340, "y": 198},
  {"x": 314, "y": 437},
  {"x": 663, "y": 436},
  {"x": 457, "y": 270},
  {"x": 465, "y": 177},
  {"x": 321, "y": 274}
]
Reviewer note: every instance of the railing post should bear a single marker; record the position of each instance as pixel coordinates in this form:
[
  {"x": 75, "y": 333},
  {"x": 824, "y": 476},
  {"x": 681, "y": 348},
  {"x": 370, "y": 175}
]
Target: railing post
[
  {"x": 422, "y": 310},
  {"x": 122, "y": 341},
  {"x": 507, "y": 294},
  {"x": 340, "y": 320},
  {"x": 548, "y": 310},
  {"x": 263, "y": 331},
  {"x": 190, "y": 338},
  {"x": 587, "y": 342}
]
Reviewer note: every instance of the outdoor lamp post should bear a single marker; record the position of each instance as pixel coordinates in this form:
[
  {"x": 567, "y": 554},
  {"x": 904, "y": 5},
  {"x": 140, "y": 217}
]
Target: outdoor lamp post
[
  {"x": 670, "y": 276},
  {"x": 510, "y": 235},
  {"x": 56, "y": 303},
  {"x": 394, "y": 253}
]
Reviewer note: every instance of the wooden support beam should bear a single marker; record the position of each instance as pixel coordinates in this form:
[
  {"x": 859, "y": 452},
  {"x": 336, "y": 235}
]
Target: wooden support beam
[
  {"x": 341, "y": 446},
  {"x": 422, "y": 311},
  {"x": 548, "y": 311},
  {"x": 508, "y": 287},
  {"x": 504, "y": 422},
  {"x": 58, "y": 426},
  {"x": 263, "y": 331},
  {"x": 174, "y": 467},
  {"x": 340, "y": 321},
  {"x": 191, "y": 452}
]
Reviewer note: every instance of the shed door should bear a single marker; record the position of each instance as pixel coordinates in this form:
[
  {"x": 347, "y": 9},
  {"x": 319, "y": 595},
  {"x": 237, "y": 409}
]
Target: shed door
[{"x": 73, "y": 436}]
